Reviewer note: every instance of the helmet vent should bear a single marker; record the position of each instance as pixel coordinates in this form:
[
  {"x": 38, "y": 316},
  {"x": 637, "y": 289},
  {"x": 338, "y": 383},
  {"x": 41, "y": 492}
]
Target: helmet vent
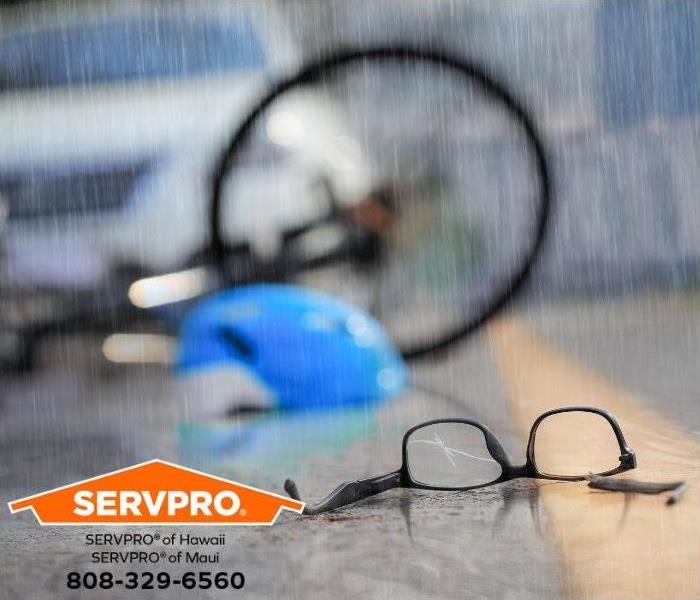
[{"x": 242, "y": 347}]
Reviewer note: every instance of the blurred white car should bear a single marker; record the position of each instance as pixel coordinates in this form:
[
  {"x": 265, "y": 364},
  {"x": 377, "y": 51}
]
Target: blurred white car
[{"x": 111, "y": 122}]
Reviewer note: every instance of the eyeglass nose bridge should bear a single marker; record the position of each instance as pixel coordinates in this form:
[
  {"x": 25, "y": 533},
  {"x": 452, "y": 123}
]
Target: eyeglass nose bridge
[{"x": 519, "y": 471}]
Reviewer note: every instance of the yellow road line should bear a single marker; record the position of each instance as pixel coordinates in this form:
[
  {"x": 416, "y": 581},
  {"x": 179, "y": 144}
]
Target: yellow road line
[{"x": 613, "y": 546}]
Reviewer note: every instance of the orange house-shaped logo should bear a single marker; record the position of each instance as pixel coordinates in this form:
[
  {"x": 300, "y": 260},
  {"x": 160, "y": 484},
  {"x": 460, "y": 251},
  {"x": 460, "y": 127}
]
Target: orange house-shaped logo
[{"x": 156, "y": 493}]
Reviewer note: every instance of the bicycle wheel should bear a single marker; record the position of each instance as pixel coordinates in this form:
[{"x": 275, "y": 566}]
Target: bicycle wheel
[{"x": 453, "y": 203}]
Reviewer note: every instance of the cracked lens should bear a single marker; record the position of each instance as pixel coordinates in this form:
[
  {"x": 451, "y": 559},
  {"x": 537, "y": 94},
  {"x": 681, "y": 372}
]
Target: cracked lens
[
  {"x": 450, "y": 455},
  {"x": 449, "y": 452}
]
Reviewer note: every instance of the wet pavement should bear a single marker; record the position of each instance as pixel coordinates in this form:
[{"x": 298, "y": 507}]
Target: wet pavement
[{"x": 60, "y": 426}]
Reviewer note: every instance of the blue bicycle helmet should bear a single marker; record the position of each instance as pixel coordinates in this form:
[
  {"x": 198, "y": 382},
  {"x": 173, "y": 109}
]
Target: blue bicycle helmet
[{"x": 307, "y": 348}]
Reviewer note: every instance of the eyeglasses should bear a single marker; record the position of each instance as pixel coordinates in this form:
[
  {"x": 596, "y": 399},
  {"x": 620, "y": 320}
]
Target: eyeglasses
[{"x": 565, "y": 444}]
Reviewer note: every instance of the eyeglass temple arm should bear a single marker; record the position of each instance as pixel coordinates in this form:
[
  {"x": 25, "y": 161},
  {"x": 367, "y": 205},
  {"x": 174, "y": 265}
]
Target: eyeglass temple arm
[{"x": 347, "y": 492}]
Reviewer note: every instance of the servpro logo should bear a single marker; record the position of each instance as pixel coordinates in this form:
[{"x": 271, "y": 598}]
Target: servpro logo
[{"x": 156, "y": 493}]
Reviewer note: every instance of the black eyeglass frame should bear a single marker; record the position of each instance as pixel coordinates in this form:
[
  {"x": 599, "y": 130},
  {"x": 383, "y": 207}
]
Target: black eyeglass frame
[{"x": 353, "y": 491}]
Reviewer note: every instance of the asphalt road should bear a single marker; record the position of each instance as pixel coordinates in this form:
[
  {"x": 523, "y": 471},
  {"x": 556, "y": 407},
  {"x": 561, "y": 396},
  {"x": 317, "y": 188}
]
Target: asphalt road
[{"x": 517, "y": 540}]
